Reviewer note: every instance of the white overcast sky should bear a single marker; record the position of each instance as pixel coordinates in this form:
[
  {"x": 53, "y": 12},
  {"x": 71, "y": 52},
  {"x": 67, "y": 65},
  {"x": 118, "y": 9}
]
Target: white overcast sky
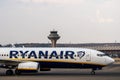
[{"x": 77, "y": 21}]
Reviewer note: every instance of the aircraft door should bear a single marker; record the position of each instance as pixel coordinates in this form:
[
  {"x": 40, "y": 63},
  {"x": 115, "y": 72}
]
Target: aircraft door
[{"x": 88, "y": 56}]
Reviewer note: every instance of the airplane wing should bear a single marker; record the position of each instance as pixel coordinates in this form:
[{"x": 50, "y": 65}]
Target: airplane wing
[{"x": 4, "y": 63}]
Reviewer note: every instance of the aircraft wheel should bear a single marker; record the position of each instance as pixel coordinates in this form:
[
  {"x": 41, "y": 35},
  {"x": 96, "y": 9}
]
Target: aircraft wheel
[
  {"x": 9, "y": 72},
  {"x": 92, "y": 72},
  {"x": 17, "y": 72}
]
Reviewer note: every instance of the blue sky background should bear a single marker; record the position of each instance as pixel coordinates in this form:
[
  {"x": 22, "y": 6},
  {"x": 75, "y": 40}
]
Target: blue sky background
[{"x": 77, "y": 21}]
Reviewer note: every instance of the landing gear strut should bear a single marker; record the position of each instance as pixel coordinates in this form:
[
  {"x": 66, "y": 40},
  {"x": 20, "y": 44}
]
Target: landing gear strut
[
  {"x": 17, "y": 72},
  {"x": 93, "y": 72},
  {"x": 9, "y": 72}
]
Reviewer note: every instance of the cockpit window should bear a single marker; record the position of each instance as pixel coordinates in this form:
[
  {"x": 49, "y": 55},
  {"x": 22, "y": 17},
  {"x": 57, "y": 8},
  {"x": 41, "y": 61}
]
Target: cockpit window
[{"x": 101, "y": 55}]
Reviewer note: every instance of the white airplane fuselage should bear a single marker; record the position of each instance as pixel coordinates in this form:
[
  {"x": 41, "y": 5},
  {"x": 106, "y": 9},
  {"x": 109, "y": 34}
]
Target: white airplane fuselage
[{"x": 46, "y": 58}]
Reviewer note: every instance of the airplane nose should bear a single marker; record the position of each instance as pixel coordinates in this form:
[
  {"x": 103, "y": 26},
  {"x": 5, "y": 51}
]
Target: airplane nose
[{"x": 110, "y": 61}]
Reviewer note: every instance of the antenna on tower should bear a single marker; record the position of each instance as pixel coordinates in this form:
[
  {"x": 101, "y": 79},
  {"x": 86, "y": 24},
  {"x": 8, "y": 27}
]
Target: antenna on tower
[{"x": 13, "y": 45}]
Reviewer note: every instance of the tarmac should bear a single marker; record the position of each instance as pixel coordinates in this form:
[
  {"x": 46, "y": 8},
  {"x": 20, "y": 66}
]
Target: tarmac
[{"x": 108, "y": 73}]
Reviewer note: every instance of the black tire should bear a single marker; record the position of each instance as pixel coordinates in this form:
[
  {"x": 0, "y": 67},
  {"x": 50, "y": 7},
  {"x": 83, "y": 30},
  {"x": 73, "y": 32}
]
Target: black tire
[
  {"x": 17, "y": 72},
  {"x": 9, "y": 72}
]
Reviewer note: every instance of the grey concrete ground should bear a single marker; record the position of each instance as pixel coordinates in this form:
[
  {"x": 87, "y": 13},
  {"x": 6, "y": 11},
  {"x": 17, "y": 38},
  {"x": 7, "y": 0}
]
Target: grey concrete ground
[{"x": 108, "y": 73}]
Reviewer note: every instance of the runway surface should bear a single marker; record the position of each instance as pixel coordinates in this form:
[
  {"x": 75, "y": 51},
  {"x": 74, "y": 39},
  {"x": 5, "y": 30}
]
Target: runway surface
[{"x": 108, "y": 73}]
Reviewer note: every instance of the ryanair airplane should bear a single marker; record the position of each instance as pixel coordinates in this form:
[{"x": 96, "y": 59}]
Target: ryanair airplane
[{"x": 43, "y": 59}]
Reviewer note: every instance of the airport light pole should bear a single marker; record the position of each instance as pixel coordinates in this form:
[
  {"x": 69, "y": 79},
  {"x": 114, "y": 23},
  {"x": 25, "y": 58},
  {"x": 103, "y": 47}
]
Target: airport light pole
[{"x": 53, "y": 37}]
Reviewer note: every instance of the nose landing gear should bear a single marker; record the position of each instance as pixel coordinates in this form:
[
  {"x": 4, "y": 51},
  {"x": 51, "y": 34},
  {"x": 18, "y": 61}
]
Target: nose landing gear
[
  {"x": 94, "y": 69},
  {"x": 93, "y": 72}
]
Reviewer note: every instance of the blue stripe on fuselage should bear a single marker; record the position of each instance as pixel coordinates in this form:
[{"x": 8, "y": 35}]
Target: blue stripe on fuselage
[{"x": 68, "y": 65}]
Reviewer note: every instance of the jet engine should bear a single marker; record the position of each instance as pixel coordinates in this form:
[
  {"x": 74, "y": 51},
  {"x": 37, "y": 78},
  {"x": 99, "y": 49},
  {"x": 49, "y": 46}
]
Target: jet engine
[{"x": 27, "y": 67}]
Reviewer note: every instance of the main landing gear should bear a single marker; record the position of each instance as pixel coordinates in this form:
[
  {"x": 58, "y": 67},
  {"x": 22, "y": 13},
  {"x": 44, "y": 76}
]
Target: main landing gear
[{"x": 9, "y": 72}]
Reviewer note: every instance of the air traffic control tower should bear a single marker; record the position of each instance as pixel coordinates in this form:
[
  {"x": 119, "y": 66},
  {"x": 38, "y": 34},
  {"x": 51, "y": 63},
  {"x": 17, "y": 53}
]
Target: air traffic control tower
[{"x": 53, "y": 37}]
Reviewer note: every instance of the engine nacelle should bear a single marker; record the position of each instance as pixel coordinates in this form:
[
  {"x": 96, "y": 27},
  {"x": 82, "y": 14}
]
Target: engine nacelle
[{"x": 28, "y": 66}]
